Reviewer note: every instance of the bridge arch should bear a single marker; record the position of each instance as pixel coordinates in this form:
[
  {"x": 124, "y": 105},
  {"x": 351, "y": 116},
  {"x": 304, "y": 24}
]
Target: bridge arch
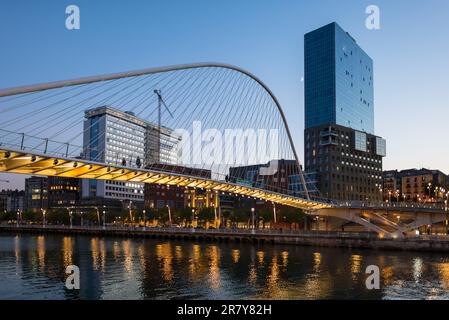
[{"x": 148, "y": 71}]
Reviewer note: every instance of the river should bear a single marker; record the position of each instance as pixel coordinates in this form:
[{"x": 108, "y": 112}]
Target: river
[{"x": 33, "y": 267}]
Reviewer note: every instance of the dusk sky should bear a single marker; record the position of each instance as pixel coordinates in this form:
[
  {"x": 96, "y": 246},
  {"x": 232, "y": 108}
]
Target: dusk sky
[{"x": 410, "y": 53}]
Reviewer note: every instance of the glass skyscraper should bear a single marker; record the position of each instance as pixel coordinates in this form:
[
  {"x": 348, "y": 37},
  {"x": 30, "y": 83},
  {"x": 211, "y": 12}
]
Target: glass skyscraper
[
  {"x": 341, "y": 151},
  {"x": 338, "y": 80}
]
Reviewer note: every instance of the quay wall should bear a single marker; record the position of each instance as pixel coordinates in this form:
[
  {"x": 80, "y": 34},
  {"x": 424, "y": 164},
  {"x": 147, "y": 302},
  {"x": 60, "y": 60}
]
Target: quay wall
[{"x": 318, "y": 239}]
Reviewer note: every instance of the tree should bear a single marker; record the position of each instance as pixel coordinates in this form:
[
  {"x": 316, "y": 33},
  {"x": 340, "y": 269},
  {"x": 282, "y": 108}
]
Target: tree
[
  {"x": 291, "y": 215},
  {"x": 265, "y": 215},
  {"x": 183, "y": 216},
  {"x": 206, "y": 215},
  {"x": 226, "y": 215},
  {"x": 32, "y": 216},
  {"x": 58, "y": 216},
  {"x": 162, "y": 215},
  {"x": 240, "y": 215},
  {"x": 7, "y": 216}
]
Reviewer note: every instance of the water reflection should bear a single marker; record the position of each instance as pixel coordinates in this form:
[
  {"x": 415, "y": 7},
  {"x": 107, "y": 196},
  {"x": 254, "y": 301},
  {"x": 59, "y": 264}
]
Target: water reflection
[
  {"x": 417, "y": 268},
  {"x": 165, "y": 257},
  {"x": 34, "y": 266},
  {"x": 67, "y": 251},
  {"x": 214, "y": 267},
  {"x": 356, "y": 266}
]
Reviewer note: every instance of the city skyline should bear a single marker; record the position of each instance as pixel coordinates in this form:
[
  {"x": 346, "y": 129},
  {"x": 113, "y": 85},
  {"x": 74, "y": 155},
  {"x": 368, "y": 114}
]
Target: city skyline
[
  {"x": 257, "y": 151},
  {"x": 280, "y": 43}
]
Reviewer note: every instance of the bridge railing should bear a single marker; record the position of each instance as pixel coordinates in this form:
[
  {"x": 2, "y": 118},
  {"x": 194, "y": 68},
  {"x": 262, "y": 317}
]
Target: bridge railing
[
  {"x": 202, "y": 231},
  {"x": 438, "y": 206},
  {"x": 28, "y": 143}
]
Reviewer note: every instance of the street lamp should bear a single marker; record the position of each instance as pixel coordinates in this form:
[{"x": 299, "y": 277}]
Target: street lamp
[
  {"x": 82, "y": 222},
  {"x": 18, "y": 217},
  {"x": 71, "y": 219},
  {"x": 144, "y": 219},
  {"x": 43, "y": 217},
  {"x": 169, "y": 214},
  {"x": 104, "y": 219},
  {"x": 130, "y": 212},
  {"x": 98, "y": 216},
  {"x": 252, "y": 218}
]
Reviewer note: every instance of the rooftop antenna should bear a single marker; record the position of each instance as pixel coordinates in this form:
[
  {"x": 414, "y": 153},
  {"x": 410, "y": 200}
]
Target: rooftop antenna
[{"x": 161, "y": 102}]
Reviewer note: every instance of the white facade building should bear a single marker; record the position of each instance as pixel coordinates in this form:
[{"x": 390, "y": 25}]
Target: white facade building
[{"x": 120, "y": 138}]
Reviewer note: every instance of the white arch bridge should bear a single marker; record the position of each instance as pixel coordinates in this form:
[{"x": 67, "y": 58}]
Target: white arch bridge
[{"x": 43, "y": 131}]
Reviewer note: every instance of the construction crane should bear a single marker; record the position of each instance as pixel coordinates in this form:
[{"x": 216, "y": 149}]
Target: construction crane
[{"x": 161, "y": 102}]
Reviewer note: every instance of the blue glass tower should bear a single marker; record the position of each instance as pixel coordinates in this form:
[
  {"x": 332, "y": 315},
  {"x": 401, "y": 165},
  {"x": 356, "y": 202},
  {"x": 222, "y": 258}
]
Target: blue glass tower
[
  {"x": 341, "y": 152},
  {"x": 338, "y": 80}
]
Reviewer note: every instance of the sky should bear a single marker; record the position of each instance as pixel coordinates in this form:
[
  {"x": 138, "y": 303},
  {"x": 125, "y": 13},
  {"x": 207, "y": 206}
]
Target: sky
[{"x": 265, "y": 37}]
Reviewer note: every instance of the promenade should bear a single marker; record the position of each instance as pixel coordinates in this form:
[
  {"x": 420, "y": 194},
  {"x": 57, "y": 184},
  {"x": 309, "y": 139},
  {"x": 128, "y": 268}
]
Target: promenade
[{"x": 257, "y": 237}]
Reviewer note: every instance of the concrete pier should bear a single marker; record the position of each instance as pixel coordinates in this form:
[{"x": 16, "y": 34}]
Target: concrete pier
[{"x": 285, "y": 237}]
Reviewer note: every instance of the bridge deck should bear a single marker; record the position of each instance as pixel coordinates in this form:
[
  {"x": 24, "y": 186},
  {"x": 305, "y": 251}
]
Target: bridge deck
[{"x": 25, "y": 162}]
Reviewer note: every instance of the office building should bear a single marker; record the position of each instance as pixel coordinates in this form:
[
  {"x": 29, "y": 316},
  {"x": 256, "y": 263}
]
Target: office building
[
  {"x": 63, "y": 192},
  {"x": 12, "y": 201},
  {"x": 120, "y": 138},
  {"x": 342, "y": 152},
  {"x": 280, "y": 176},
  {"x": 36, "y": 194},
  {"x": 176, "y": 197}
]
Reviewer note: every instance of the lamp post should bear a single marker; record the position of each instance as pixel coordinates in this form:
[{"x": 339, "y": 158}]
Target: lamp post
[
  {"x": 43, "y": 217},
  {"x": 144, "y": 219},
  {"x": 82, "y": 222},
  {"x": 252, "y": 218},
  {"x": 219, "y": 211},
  {"x": 18, "y": 217},
  {"x": 274, "y": 213},
  {"x": 104, "y": 219},
  {"x": 130, "y": 212},
  {"x": 169, "y": 214},
  {"x": 71, "y": 219},
  {"x": 98, "y": 216},
  {"x": 215, "y": 215},
  {"x": 193, "y": 216}
]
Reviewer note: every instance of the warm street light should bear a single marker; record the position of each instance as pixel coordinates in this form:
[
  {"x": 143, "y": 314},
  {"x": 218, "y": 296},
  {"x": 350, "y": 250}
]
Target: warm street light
[
  {"x": 98, "y": 216},
  {"x": 43, "y": 217},
  {"x": 130, "y": 212},
  {"x": 169, "y": 214},
  {"x": 274, "y": 213},
  {"x": 252, "y": 218},
  {"x": 144, "y": 219}
]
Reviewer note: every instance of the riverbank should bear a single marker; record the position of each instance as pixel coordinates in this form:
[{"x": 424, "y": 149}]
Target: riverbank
[{"x": 284, "y": 237}]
